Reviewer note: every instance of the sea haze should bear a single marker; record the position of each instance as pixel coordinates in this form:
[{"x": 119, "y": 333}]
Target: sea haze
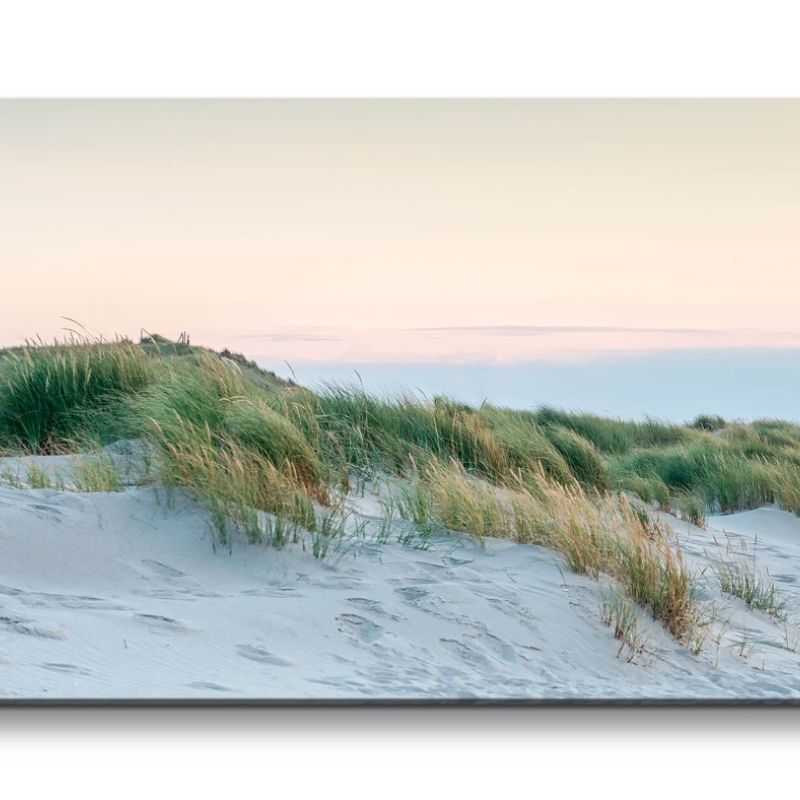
[{"x": 670, "y": 385}]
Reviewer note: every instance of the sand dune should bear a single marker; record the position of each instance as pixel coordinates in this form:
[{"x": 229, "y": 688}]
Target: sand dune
[{"x": 121, "y": 595}]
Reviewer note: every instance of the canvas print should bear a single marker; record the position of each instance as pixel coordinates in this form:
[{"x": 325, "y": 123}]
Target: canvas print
[{"x": 419, "y": 401}]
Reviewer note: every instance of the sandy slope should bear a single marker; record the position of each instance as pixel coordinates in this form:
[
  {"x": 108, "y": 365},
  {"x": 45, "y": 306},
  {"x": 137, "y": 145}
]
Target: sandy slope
[{"x": 122, "y": 596}]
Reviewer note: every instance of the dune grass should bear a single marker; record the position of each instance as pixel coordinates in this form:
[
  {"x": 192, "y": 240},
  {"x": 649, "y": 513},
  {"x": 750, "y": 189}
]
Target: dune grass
[
  {"x": 612, "y": 435},
  {"x": 739, "y": 578},
  {"x": 446, "y": 496},
  {"x": 235, "y": 483},
  {"x": 210, "y": 394},
  {"x": 719, "y": 475},
  {"x": 581, "y": 456},
  {"x": 47, "y": 392},
  {"x": 38, "y": 478},
  {"x": 708, "y": 422},
  {"x": 373, "y": 434},
  {"x": 608, "y": 534},
  {"x": 54, "y": 396},
  {"x": 621, "y": 614},
  {"x": 267, "y": 457},
  {"x": 595, "y": 533},
  {"x": 96, "y": 473}
]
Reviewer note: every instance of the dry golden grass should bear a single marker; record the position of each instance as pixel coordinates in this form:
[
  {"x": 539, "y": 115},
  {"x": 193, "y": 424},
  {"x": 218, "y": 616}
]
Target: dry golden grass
[
  {"x": 235, "y": 482},
  {"x": 595, "y": 533},
  {"x": 96, "y": 473}
]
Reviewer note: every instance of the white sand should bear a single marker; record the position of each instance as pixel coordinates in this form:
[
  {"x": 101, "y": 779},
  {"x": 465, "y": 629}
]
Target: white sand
[{"x": 121, "y": 596}]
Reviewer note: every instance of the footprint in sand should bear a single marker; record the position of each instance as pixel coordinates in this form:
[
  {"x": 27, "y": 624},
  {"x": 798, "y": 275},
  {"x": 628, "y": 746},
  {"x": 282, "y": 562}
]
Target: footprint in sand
[
  {"x": 261, "y": 655},
  {"x": 164, "y": 570},
  {"x": 360, "y": 627},
  {"x": 67, "y": 669},
  {"x": 457, "y": 562},
  {"x": 412, "y": 594},
  {"x": 267, "y": 591},
  {"x": 47, "y": 513},
  {"x": 78, "y": 601},
  {"x": 375, "y": 607},
  {"x": 424, "y": 601},
  {"x": 488, "y": 641},
  {"x": 159, "y": 594},
  {"x": 512, "y": 609},
  {"x": 29, "y": 628},
  {"x": 214, "y": 687},
  {"x": 189, "y": 593},
  {"x": 157, "y": 623},
  {"x": 465, "y": 653},
  {"x": 49, "y": 509}
]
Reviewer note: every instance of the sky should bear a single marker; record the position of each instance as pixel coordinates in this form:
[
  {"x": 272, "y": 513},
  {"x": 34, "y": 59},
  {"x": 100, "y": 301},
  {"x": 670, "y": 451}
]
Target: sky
[
  {"x": 351, "y": 232},
  {"x": 273, "y": 222}
]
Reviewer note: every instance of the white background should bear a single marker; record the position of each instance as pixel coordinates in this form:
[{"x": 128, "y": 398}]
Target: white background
[
  {"x": 347, "y": 48},
  {"x": 462, "y": 48},
  {"x": 399, "y": 753}
]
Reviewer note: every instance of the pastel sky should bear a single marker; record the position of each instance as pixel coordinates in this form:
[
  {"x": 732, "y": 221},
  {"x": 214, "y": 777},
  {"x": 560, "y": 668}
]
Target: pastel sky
[{"x": 428, "y": 230}]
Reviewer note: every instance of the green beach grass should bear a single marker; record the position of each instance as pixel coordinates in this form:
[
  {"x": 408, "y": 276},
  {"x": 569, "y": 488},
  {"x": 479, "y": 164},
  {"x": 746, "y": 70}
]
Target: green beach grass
[{"x": 269, "y": 457}]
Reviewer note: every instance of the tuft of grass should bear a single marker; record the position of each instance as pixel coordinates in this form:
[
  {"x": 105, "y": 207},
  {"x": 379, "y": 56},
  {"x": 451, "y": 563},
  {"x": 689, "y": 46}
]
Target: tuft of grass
[
  {"x": 781, "y": 434},
  {"x": 612, "y": 436},
  {"x": 217, "y": 436},
  {"x": 39, "y": 478},
  {"x": 96, "y": 473},
  {"x": 690, "y": 508},
  {"x": 10, "y": 477},
  {"x": 719, "y": 475},
  {"x": 739, "y": 578},
  {"x": 90, "y": 473},
  {"x": 581, "y": 455},
  {"x": 708, "y": 422},
  {"x": 621, "y": 613},
  {"x": 31, "y": 476},
  {"x": 529, "y": 450},
  {"x": 648, "y": 562},
  {"x": 211, "y": 393},
  {"x": 651, "y": 489},
  {"x": 596, "y": 534},
  {"x": 385, "y": 526},
  {"x": 446, "y": 496},
  {"x": 607, "y": 534},
  {"x": 329, "y": 532},
  {"x": 260, "y": 429},
  {"x": 374, "y": 434},
  {"x": 49, "y": 392},
  {"x": 565, "y": 519},
  {"x": 234, "y": 482}
]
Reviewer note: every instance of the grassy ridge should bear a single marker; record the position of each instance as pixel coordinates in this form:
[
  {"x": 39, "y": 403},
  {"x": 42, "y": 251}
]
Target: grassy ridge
[
  {"x": 56, "y": 398},
  {"x": 49, "y": 394},
  {"x": 268, "y": 456},
  {"x": 59, "y": 397}
]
